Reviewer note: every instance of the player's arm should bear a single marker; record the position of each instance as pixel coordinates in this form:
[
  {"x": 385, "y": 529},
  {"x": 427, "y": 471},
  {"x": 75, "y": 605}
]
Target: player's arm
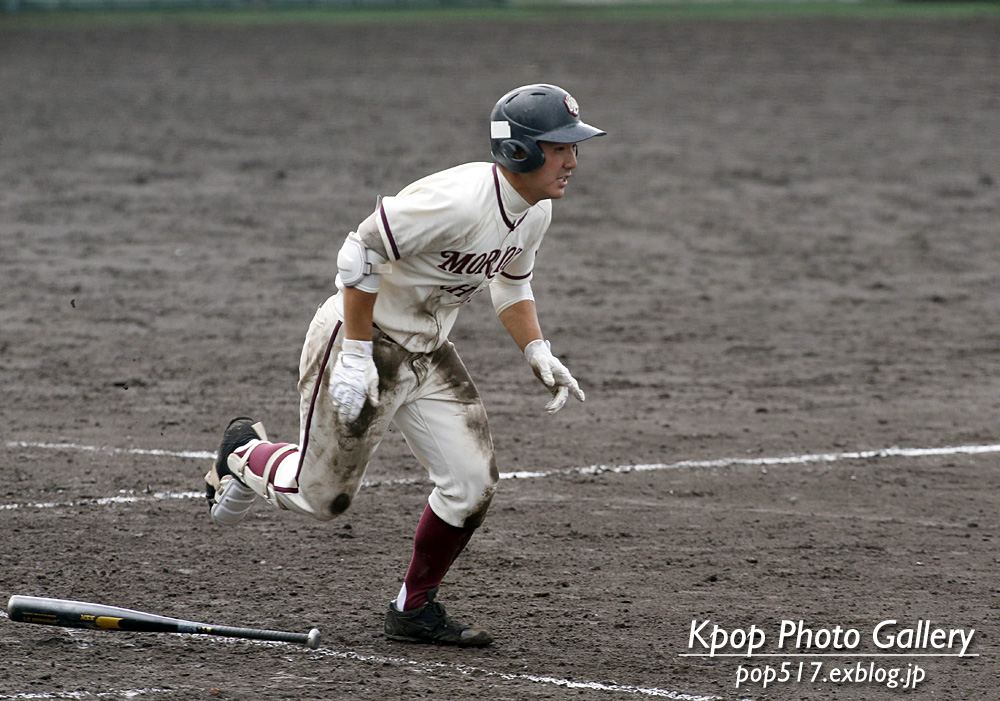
[
  {"x": 354, "y": 378},
  {"x": 521, "y": 321},
  {"x": 360, "y": 265},
  {"x": 359, "y": 310}
]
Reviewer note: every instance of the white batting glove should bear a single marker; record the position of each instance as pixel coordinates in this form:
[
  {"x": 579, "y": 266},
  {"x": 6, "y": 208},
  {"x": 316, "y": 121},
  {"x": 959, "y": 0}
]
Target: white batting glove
[
  {"x": 552, "y": 373},
  {"x": 354, "y": 379}
]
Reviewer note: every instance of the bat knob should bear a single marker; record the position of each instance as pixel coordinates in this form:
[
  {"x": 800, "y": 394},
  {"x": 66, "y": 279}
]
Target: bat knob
[{"x": 313, "y": 640}]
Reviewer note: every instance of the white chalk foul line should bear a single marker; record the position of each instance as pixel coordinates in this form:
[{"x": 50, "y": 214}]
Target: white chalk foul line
[
  {"x": 764, "y": 462},
  {"x": 194, "y": 454},
  {"x": 83, "y": 695},
  {"x": 512, "y": 676},
  {"x": 123, "y": 498}
]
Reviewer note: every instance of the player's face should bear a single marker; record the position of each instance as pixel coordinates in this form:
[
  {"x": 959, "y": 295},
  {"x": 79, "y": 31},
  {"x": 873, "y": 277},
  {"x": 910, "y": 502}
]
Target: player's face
[{"x": 549, "y": 182}]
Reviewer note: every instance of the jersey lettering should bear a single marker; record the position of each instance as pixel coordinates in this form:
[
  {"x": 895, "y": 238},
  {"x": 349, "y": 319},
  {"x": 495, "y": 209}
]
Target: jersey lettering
[
  {"x": 459, "y": 290},
  {"x": 455, "y": 261},
  {"x": 508, "y": 256},
  {"x": 487, "y": 260},
  {"x": 460, "y": 263}
]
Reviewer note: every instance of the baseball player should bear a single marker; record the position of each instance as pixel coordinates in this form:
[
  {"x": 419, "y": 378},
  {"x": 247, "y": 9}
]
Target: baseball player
[{"x": 377, "y": 351}]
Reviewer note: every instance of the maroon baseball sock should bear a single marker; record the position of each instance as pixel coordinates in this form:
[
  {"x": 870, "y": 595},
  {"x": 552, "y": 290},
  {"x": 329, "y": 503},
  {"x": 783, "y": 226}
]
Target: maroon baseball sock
[{"x": 435, "y": 547}]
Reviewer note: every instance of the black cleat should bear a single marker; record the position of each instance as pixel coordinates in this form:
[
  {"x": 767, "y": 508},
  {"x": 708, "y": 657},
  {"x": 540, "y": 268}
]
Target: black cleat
[
  {"x": 234, "y": 497},
  {"x": 430, "y": 624}
]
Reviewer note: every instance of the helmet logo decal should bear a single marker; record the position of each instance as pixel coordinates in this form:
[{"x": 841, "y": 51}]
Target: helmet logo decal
[{"x": 574, "y": 109}]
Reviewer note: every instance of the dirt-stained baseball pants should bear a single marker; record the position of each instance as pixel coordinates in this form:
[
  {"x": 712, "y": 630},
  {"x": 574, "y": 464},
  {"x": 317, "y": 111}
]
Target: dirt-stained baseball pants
[{"x": 428, "y": 396}]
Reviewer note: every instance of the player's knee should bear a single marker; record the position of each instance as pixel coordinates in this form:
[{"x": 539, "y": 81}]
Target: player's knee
[
  {"x": 329, "y": 510},
  {"x": 481, "y": 486},
  {"x": 477, "y": 514},
  {"x": 479, "y": 497},
  {"x": 340, "y": 504}
]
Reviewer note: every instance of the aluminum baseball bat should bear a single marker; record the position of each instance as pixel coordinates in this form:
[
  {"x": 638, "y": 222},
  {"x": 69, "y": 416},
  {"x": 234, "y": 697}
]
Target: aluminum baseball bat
[{"x": 83, "y": 614}]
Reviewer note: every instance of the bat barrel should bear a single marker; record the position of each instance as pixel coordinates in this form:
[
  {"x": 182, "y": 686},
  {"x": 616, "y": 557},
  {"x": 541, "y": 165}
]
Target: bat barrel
[{"x": 84, "y": 614}]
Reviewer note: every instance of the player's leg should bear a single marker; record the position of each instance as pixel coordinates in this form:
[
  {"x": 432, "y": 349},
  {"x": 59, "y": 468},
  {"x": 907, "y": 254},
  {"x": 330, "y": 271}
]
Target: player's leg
[
  {"x": 320, "y": 475},
  {"x": 447, "y": 429}
]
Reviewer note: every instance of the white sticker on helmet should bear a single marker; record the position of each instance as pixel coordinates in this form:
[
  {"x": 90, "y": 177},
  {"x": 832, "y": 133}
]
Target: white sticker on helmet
[{"x": 499, "y": 130}]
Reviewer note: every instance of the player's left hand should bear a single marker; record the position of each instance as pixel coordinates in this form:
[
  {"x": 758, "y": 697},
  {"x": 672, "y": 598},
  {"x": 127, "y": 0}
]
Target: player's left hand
[{"x": 552, "y": 373}]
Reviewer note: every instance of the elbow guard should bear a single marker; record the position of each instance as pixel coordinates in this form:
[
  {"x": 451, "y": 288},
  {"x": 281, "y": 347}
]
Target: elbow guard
[{"x": 360, "y": 267}]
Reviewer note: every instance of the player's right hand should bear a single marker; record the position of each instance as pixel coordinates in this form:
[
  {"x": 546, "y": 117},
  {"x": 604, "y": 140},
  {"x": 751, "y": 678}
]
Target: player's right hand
[
  {"x": 552, "y": 373},
  {"x": 354, "y": 379}
]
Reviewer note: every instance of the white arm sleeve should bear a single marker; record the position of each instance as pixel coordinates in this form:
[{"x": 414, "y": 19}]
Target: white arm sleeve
[{"x": 506, "y": 292}]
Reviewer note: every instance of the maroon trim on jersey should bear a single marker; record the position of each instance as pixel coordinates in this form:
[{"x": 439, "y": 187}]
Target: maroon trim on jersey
[
  {"x": 516, "y": 277},
  {"x": 312, "y": 405},
  {"x": 388, "y": 233},
  {"x": 496, "y": 186}
]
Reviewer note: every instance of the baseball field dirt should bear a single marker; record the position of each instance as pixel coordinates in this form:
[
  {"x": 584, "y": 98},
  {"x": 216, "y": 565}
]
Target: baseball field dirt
[{"x": 777, "y": 279}]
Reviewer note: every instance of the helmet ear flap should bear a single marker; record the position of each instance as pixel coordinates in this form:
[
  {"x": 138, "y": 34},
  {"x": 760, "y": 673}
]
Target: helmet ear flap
[{"x": 520, "y": 156}]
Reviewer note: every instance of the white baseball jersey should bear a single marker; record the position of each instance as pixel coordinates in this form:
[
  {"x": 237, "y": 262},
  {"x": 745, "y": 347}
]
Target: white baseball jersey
[{"x": 447, "y": 236}]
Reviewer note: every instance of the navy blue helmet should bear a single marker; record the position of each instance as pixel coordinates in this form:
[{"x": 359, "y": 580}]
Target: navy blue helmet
[{"x": 530, "y": 114}]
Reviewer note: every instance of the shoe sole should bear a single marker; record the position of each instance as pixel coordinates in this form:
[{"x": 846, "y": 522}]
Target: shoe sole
[{"x": 424, "y": 641}]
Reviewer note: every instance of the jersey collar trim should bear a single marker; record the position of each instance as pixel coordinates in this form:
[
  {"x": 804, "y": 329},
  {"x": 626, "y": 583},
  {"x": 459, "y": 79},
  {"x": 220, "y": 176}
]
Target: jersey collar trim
[{"x": 503, "y": 211}]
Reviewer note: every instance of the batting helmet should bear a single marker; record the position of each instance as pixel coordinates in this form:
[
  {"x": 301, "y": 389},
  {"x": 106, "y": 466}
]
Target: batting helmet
[{"x": 530, "y": 114}]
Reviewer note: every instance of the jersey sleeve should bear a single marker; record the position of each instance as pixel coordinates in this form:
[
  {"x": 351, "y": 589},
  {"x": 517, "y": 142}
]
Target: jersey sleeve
[
  {"x": 370, "y": 235},
  {"x": 422, "y": 218}
]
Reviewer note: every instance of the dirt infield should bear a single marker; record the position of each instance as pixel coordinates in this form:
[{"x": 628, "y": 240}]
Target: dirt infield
[{"x": 786, "y": 247}]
